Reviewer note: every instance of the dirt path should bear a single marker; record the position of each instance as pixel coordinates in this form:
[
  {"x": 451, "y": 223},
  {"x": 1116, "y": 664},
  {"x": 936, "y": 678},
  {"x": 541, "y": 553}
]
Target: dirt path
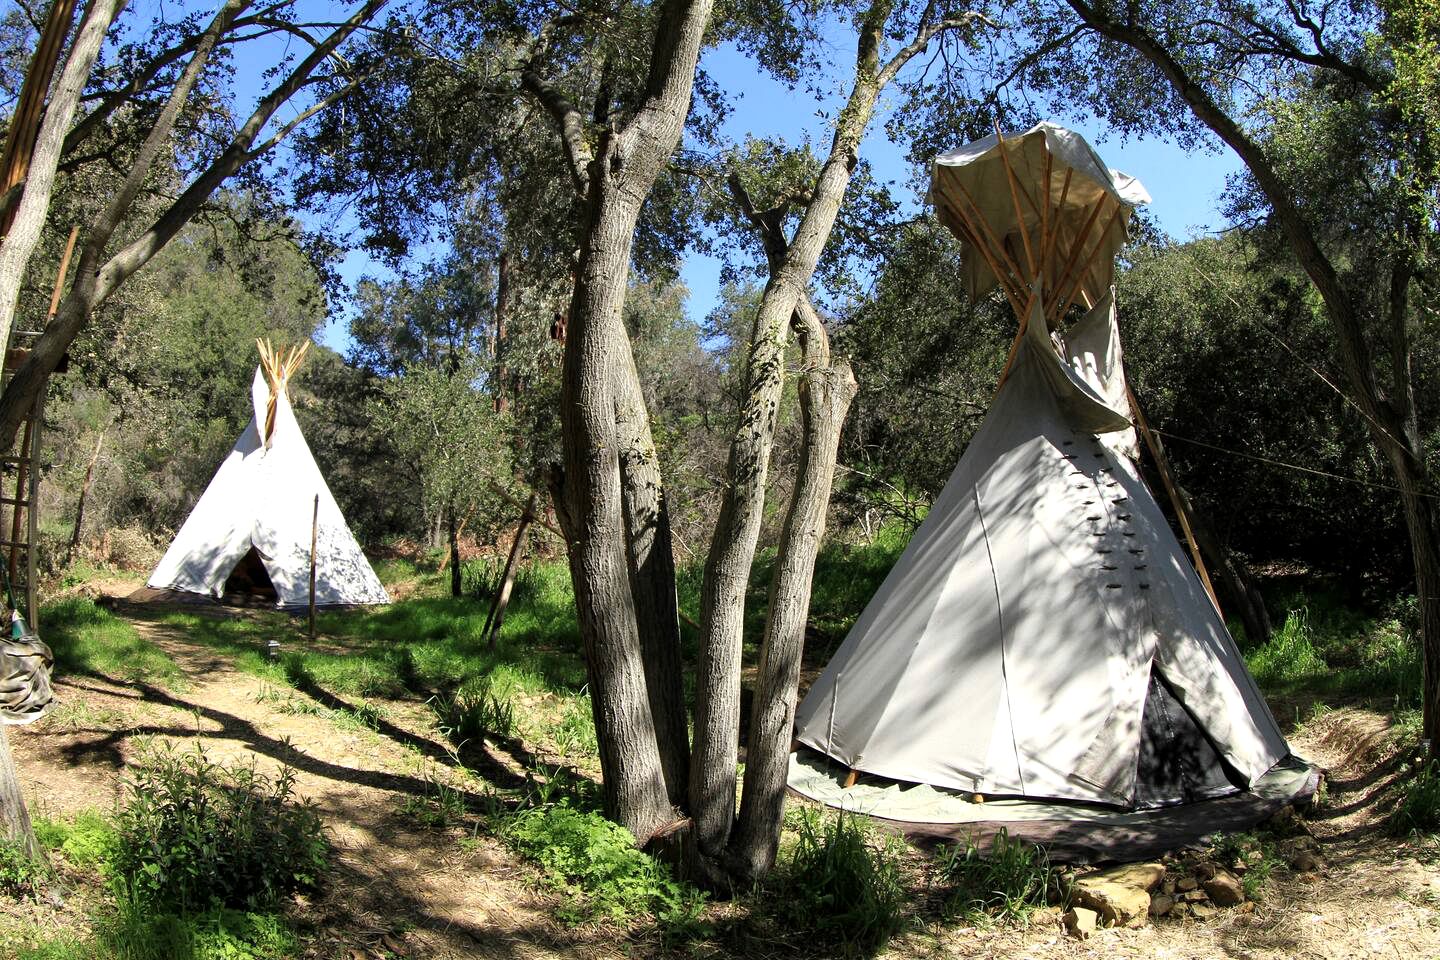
[
  {"x": 399, "y": 888},
  {"x": 405, "y": 891}
]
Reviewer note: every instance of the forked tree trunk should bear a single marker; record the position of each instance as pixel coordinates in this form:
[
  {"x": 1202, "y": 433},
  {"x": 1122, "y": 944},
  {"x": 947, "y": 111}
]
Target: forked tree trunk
[
  {"x": 633, "y": 775},
  {"x": 825, "y": 395},
  {"x": 590, "y": 500},
  {"x": 737, "y": 528}
]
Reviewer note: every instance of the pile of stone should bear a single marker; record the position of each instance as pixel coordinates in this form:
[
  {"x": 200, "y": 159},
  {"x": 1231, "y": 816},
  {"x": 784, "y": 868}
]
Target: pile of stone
[{"x": 1195, "y": 888}]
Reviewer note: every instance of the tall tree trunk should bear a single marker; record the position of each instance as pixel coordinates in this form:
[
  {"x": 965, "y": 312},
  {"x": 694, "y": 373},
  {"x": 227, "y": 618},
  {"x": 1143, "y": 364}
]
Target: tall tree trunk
[
  {"x": 14, "y": 817},
  {"x": 825, "y": 395},
  {"x": 452, "y": 529},
  {"x": 1420, "y": 521},
  {"x": 501, "y": 390},
  {"x": 652, "y": 581},
  {"x": 634, "y": 782},
  {"x": 614, "y": 181},
  {"x": 737, "y": 527}
]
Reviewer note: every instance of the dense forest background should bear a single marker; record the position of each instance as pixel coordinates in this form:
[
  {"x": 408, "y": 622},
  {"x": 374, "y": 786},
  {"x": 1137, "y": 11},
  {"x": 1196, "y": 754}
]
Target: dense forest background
[{"x": 1221, "y": 339}]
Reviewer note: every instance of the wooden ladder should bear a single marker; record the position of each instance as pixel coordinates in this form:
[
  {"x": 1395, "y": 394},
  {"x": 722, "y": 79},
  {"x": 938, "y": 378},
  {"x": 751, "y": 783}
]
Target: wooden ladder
[
  {"x": 19, "y": 514},
  {"x": 19, "y": 491}
]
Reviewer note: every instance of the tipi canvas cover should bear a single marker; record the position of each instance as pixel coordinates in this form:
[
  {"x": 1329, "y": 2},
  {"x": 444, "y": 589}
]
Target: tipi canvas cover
[
  {"x": 1043, "y": 635},
  {"x": 1038, "y": 610},
  {"x": 264, "y": 496}
]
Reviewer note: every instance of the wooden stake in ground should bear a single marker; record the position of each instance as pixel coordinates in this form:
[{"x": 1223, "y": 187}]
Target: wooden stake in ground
[
  {"x": 84, "y": 493},
  {"x": 507, "y": 580},
  {"x": 314, "y": 540}
]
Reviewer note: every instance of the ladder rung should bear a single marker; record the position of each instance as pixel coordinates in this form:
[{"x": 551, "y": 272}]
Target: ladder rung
[
  {"x": 16, "y": 460},
  {"x": 28, "y": 333},
  {"x": 15, "y": 503},
  {"x": 8, "y": 543}
]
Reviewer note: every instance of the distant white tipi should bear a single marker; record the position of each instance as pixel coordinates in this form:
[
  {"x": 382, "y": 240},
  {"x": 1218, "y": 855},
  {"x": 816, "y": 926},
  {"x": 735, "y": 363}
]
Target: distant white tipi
[{"x": 268, "y": 496}]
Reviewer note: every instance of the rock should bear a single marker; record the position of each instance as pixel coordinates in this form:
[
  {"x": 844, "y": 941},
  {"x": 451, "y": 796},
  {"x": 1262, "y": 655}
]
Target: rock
[
  {"x": 1202, "y": 911},
  {"x": 1080, "y": 922},
  {"x": 1247, "y": 907},
  {"x": 1122, "y": 895},
  {"x": 1193, "y": 896},
  {"x": 1308, "y": 878},
  {"x": 1287, "y": 823},
  {"x": 1186, "y": 884},
  {"x": 1225, "y": 889},
  {"x": 1204, "y": 871},
  {"x": 1168, "y": 888},
  {"x": 1306, "y": 861},
  {"x": 1161, "y": 904}
]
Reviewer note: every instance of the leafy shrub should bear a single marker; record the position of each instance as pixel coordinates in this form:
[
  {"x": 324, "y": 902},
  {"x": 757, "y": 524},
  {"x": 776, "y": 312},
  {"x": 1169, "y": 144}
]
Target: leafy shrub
[
  {"x": 87, "y": 841},
  {"x": 135, "y": 933},
  {"x": 1012, "y": 882},
  {"x": 595, "y": 865},
  {"x": 20, "y": 876},
  {"x": 193, "y": 834},
  {"x": 1419, "y": 808},
  {"x": 841, "y": 885},
  {"x": 472, "y": 713}
]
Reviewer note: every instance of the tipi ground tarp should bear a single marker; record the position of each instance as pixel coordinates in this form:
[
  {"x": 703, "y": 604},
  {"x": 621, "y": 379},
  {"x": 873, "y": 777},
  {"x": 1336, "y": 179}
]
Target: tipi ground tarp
[{"x": 264, "y": 496}]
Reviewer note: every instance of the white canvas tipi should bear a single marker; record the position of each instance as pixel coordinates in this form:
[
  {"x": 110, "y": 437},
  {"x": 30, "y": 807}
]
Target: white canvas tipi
[
  {"x": 264, "y": 496},
  {"x": 1043, "y": 635}
]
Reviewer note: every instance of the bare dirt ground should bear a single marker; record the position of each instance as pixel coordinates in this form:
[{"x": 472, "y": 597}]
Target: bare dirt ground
[{"x": 405, "y": 891}]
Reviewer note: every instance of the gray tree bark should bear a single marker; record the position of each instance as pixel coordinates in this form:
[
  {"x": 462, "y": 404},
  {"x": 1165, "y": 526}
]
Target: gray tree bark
[
  {"x": 737, "y": 528},
  {"x": 19, "y": 244},
  {"x": 652, "y": 581},
  {"x": 614, "y": 180},
  {"x": 826, "y": 389}
]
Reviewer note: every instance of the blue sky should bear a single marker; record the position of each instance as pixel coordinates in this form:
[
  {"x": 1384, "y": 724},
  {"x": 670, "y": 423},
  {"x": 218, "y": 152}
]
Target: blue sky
[{"x": 1185, "y": 186}]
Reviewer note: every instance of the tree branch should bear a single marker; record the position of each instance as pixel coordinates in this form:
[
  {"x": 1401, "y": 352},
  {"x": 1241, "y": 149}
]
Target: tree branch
[
  {"x": 568, "y": 122},
  {"x": 922, "y": 39}
]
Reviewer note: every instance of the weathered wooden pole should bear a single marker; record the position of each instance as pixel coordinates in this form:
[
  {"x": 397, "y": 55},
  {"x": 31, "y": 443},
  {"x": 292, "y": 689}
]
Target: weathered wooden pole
[
  {"x": 507, "y": 580},
  {"x": 314, "y": 540}
]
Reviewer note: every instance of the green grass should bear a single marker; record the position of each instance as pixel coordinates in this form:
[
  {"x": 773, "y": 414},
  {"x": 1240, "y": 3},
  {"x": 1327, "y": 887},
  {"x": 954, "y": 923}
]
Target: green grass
[
  {"x": 1328, "y": 651},
  {"x": 843, "y": 883},
  {"x": 1009, "y": 885},
  {"x": 86, "y": 840},
  {"x": 594, "y": 865},
  {"x": 90, "y": 640},
  {"x": 1419, "y": 808}
]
